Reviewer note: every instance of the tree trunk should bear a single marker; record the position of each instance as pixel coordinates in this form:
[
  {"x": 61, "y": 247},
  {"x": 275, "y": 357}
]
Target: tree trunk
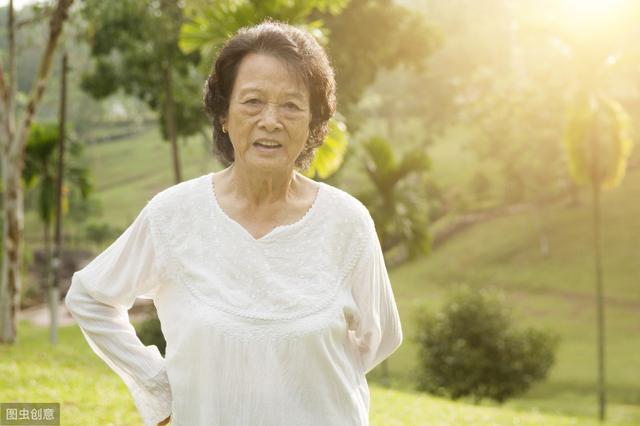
[
  {"x": 10, "y": 280},
  {"x": 600, "y": 300},
  {"x": 55, "y": 264},
  {"x": 49, "y": 291},
  {"x": 12, "y": 250},
  {"x": 47, "y": 251},
  {"x": 13, "y": 163},
  {"x": 170, "y": 119},
  {"x": 543, "y": 235}
]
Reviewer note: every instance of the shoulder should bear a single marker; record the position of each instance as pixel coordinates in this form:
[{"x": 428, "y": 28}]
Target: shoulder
[
  {"x": 348, "y": 229},
  {"x": 176, "y": 198},
  {"x": 174, "y": 209},
  {"x": 348, "y": 210}
]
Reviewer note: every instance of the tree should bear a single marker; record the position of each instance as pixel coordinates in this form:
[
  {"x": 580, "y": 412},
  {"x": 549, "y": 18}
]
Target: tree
[
  {"x": 396, "y": 199},
  {"x": 397, "y": 204},
  {"x": 135, "y": 47},
  {"x": 372, "y": 35},
  {"x": 14, "y": 141},
  {"x": 598, "y": 143},
  {"x": 597, "y": 130},
  {"x": 209, "y": 24},
  {"x": 40, "y": 176}
]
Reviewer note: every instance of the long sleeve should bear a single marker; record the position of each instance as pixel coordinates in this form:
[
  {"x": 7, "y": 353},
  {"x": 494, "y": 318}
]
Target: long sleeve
[
  {"x": 376, "y": 329},
  {"x": 98, "y": 299}
]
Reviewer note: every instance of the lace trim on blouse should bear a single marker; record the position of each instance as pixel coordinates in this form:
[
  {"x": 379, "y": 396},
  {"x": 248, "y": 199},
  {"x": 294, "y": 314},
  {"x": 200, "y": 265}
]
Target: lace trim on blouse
[{"x": 291, "y": 272}]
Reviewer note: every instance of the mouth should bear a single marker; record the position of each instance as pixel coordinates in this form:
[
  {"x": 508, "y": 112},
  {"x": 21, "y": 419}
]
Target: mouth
[{"x": 267, "y": 144}]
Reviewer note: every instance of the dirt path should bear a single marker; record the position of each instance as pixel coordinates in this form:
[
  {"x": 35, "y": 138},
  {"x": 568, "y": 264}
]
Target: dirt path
[{"x": 39, "y": 315}]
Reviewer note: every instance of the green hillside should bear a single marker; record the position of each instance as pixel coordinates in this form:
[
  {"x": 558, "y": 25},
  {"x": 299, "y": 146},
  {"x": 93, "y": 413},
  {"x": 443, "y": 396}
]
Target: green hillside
[{"x": 555, "y": 292}]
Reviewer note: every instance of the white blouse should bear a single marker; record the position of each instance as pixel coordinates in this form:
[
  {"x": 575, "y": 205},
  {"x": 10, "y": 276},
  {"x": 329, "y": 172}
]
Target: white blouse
[{"x": 274, "y": 331}]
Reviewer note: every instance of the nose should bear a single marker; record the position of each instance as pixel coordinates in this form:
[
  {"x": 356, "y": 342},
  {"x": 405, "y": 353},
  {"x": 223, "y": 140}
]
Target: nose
[{"x": 269, "y": 118}]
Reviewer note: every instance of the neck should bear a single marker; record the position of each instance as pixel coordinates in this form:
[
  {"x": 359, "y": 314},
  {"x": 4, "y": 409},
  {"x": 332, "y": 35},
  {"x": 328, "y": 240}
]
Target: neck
[{"x": 260, "y": 188}]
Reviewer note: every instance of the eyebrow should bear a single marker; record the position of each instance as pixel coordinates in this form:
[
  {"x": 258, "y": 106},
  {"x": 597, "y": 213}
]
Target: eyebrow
[{"x": 257, "y": 89}]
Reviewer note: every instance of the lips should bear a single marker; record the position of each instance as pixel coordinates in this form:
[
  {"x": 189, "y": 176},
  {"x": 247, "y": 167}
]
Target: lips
[{"x": 267, "y": 144}]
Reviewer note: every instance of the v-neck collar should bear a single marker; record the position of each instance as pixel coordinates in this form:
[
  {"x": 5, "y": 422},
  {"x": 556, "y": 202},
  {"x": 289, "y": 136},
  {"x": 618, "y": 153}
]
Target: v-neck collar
[{"x": 211, "y": 195}]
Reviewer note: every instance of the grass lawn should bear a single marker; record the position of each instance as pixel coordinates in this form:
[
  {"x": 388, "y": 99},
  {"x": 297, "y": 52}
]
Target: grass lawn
[
  {"x": 91, "y": 394},
  {"x": 556, "y": 292}
]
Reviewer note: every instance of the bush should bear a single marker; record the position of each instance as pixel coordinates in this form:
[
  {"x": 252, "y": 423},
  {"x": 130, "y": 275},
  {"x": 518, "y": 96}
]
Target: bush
[
  {"x": 150, "y": 333},
  {"x": 472, "y": 348},
  {"x": 99, "y": 233}
]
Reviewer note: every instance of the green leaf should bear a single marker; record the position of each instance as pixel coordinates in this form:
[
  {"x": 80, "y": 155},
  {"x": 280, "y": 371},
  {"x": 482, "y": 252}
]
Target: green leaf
[
  {"x": 578, "y": 121},
  {"x": 382, "y": 159},
  {"x": 330, "y": 154},
  {"x": 597, "y": 140},
  {"x": 620, "y": 144}
]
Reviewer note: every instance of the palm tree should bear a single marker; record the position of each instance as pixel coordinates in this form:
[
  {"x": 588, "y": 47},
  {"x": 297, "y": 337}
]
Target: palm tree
[
  {"x": 39, "y": 175},
  {"x": 596, "y": 133},
  {"x": 598, "y": 143},
  {"x": 397, "y": 204},
  {"x": 396, "y": 201}
]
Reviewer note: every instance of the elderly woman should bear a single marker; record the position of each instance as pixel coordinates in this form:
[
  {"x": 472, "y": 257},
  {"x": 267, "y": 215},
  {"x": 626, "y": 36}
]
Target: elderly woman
[{"x": 271, "y": 288}]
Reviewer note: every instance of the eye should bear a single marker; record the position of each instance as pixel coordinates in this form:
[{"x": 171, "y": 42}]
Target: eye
[
  {"x": 291, "y": 105},
  {"x": 252, "y": 101}
]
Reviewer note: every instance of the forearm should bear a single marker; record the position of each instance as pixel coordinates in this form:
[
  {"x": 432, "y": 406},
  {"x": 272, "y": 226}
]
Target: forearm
[{"x": 110, "y": 334}]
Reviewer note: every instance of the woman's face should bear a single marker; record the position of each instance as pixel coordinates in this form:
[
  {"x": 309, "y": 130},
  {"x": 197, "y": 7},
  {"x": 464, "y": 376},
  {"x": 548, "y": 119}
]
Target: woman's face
[{"x": 269, "y": 114}]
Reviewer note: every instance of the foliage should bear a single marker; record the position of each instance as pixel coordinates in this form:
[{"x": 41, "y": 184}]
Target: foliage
[
  {"x": 472, "y": 348},
  {"x": 329, "y": 156},
  {"x": 131, "y": 42},
  {"x": 396, "y": 200},
  {"x": 361, "y": 36},
  {"x": 40, "y": 169},
  {"x": 150, "y": 333},
  {"x": 519, "y": 127},
  {"x": 368, "y": 36},
  {"x": 41, "y": 147},
  {"x": 480, "y": 185},
  {"x": 209, "y": 24},
  {"x": 598, "y": 143},
  {"x": 597, "y": 139},
  {"x": 99, "y": 233}
]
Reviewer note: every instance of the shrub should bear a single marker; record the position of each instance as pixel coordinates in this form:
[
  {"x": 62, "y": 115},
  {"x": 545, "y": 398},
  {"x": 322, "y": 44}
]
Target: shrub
[
  {"x": 150, "y": 333},
  {"x": 99, "y": 233},
  {"x": 472, "y": 348}
]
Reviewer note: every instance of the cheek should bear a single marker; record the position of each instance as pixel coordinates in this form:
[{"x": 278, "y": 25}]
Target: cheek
[
  {"x": 239, "y": 116},
  {"x": 239, "y": 125},
  {"x": 301, "y": 131}
]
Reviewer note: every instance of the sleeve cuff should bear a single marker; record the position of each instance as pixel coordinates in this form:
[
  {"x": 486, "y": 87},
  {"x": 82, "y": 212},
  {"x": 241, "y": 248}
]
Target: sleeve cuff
[{"x": 153, "y": 400}]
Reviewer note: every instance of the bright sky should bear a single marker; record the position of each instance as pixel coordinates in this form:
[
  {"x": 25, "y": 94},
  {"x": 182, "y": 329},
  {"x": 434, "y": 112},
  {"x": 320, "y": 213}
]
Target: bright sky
[{"x": 19, "y": 4}]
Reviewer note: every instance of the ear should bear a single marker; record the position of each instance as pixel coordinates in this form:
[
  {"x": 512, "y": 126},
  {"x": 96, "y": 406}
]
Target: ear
[{"x": 223, "y": 124}]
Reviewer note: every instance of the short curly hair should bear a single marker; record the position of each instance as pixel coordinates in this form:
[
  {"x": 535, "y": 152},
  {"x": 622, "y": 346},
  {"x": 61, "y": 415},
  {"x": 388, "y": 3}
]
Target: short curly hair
[{"x": 301, "y": 52}]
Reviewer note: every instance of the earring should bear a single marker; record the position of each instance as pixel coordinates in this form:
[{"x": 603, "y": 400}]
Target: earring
[{"x": 224, "y": 129}]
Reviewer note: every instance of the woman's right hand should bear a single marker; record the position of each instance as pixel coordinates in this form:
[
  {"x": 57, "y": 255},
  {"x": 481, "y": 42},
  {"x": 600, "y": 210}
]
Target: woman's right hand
[{"x": 165, "y": 421}]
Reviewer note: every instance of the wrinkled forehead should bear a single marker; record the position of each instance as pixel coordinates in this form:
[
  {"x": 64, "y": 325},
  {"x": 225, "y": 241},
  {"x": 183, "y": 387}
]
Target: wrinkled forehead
[{"x": 262, "y": 72}]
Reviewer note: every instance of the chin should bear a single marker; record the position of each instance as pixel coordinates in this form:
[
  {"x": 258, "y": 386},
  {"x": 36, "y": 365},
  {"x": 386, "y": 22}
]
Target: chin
[{"x": 270, "y": 164}]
